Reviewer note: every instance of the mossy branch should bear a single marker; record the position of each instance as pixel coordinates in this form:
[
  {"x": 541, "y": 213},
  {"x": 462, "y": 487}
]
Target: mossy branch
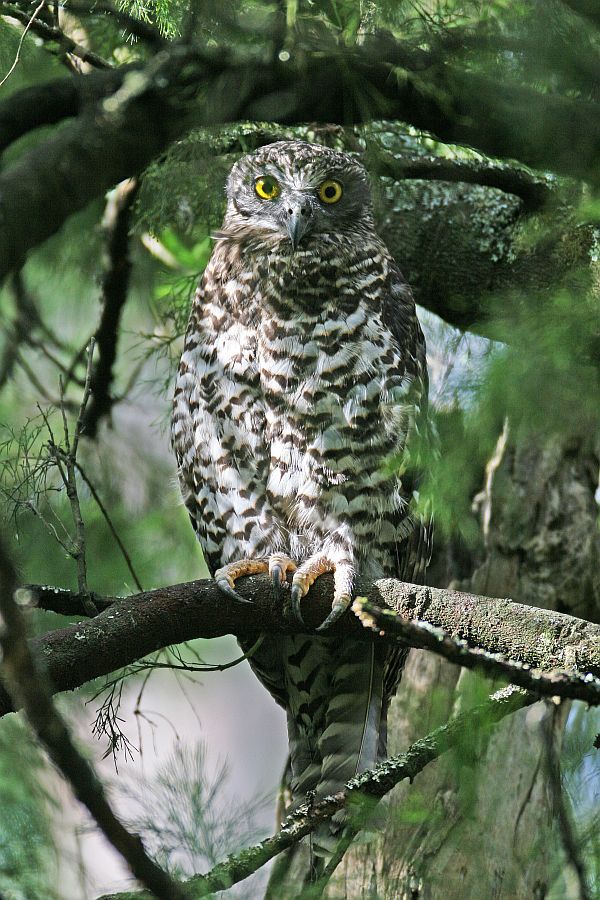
[
  {"x": 128, "y": 629},
  {"x": 181, "y": 87}
]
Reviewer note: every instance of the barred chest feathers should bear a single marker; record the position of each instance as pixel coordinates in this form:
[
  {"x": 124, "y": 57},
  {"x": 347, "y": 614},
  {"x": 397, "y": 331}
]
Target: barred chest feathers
[{"x": 278, "y": 359}]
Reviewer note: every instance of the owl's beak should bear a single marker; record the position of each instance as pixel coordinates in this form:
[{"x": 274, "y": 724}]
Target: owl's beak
[{"x": 298, "y": 220}]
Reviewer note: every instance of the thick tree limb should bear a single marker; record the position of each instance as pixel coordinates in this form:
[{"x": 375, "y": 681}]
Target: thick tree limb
[
  {"x": 586, "y": 8},
  {"x": 389, "y": 81},
  {"x": 28, "y": 688},
  {"x": 533, "y": 190},
  {"x": 374, "y": 784},
  {"x": 573, "y": 685},
  {"x": 131, "y": 628},
  {"x": 52, "y": 101}
]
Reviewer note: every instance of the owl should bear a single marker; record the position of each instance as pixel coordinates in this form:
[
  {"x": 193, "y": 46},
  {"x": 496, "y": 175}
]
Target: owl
[{"x": 303, "y": 375}]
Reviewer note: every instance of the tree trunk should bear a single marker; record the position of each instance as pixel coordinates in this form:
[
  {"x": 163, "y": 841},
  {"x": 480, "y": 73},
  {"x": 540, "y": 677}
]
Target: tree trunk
[{"x": 481, "y": 822}]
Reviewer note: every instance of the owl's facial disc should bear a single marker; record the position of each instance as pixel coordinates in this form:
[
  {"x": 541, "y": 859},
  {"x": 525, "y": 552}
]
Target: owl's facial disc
[{"x": 293, "y": 193}]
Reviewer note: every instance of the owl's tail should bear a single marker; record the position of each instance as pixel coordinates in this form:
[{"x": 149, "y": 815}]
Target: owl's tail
[{"x": 347, "y": 731}]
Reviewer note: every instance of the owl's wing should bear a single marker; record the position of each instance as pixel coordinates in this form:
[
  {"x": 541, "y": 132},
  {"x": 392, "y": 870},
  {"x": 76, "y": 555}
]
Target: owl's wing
[
  {"x": 218, "y": 431},
  {"x": 413, "y": 552}
]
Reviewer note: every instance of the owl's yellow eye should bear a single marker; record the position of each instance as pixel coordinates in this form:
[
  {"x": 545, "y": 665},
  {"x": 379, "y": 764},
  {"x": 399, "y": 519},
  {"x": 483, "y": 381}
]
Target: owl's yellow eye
[
  {"x": 330, "y": 191},
  {"x": 267, "y": 188}
]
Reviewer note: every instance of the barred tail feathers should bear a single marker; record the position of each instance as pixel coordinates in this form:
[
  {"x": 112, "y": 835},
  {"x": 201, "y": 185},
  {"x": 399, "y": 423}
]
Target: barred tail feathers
[
  {"x": 334, "y": 710},
  {"x": 349, "y": 743},
  {"x": 308, "y": 671}
]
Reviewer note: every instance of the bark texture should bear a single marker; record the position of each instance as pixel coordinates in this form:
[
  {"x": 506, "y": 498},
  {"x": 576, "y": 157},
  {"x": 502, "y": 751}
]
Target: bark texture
[{"x": 481, "y": 822}]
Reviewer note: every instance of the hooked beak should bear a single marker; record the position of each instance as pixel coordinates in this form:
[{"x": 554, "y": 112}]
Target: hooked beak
[{"x": 298, "y": 220}]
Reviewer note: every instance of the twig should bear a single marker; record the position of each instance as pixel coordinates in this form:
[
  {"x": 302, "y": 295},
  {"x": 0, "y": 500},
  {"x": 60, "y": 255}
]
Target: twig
[
  {"x": 69, "y": 477},
  {"x": 29, "y": 688},
  {"x": 315, "y": 891},
  {"x": 149, "y": 666},
  {"x": 19, "y": 329},
  {"x": 56, "y": 34},
  {"x": 30, "y": 23},
  {"x": 39, "y": 387},
  {"x": 575, "y": 685},
  {"x": 374, "y": 784},
  {"x": 110, "y": 524}
]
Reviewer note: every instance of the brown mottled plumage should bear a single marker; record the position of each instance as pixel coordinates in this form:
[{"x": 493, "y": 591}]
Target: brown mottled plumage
[{"x": 303, "y": 372}]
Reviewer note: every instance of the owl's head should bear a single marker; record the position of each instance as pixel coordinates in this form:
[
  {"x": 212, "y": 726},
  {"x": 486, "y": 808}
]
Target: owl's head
[{"x": 292, "y": 190}]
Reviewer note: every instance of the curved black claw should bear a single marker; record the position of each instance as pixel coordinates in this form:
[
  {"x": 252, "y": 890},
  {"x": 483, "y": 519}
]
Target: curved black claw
[
  {"x": 277, "y": 580},
  {"x": 296, "y": 598},
  {"x": 226, "y": 588},
  {"x": 337, "y": 610}
]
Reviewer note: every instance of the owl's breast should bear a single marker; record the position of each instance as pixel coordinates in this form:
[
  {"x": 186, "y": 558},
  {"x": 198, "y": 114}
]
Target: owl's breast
[{"x": 328, "y": 388}]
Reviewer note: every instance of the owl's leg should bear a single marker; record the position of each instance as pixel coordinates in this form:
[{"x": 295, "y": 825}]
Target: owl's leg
[
  {"x": 277, "y": 566},
  {"x": 307, "y": 574}
]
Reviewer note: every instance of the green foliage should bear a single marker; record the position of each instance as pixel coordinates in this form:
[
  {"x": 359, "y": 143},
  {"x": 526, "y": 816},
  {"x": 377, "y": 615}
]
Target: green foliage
[
  {"x": 546, "y": 379},
  {"x": 27, "y": 856},
  {"x": 166, "y": 15}
]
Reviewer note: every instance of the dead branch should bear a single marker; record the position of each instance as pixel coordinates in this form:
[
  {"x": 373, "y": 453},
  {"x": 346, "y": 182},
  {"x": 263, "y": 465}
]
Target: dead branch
[{"x": 115, "y": 285}]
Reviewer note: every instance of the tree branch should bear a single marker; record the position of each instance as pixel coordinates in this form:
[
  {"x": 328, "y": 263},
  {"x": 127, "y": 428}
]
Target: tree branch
[
  {"x": 28, "y": 688},
  {"x": 556, "y": 683},
  {"x": 142, "y": 30},
  {"x": 115, "y": 284},
  {"x": 51, "y": 102},
  {"x": 554, "y": 729},
  {"x": 56, "y": 35},
  {"x": 390, "y": 80},
  {"x": 586, "y": 8},
  {"x": 533, "y": 190},
  {"x": 131, "y": 628},
  {"x": 374, "y": 784}
]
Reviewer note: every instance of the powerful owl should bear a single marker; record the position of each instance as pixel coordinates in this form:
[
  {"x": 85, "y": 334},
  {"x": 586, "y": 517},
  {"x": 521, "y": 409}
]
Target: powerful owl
[{"x": 303, "y": 375}]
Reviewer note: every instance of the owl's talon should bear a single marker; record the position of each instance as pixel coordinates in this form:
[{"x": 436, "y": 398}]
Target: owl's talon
[
  {"x": 277, "y": 579},
  {"x": 279, "y": 566},
  {"x": 338, "y": 609},
  {"x": 226, "y": 576},
  {"x": 297, "y": 594},
  {"x": 226, "y": 588}
]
